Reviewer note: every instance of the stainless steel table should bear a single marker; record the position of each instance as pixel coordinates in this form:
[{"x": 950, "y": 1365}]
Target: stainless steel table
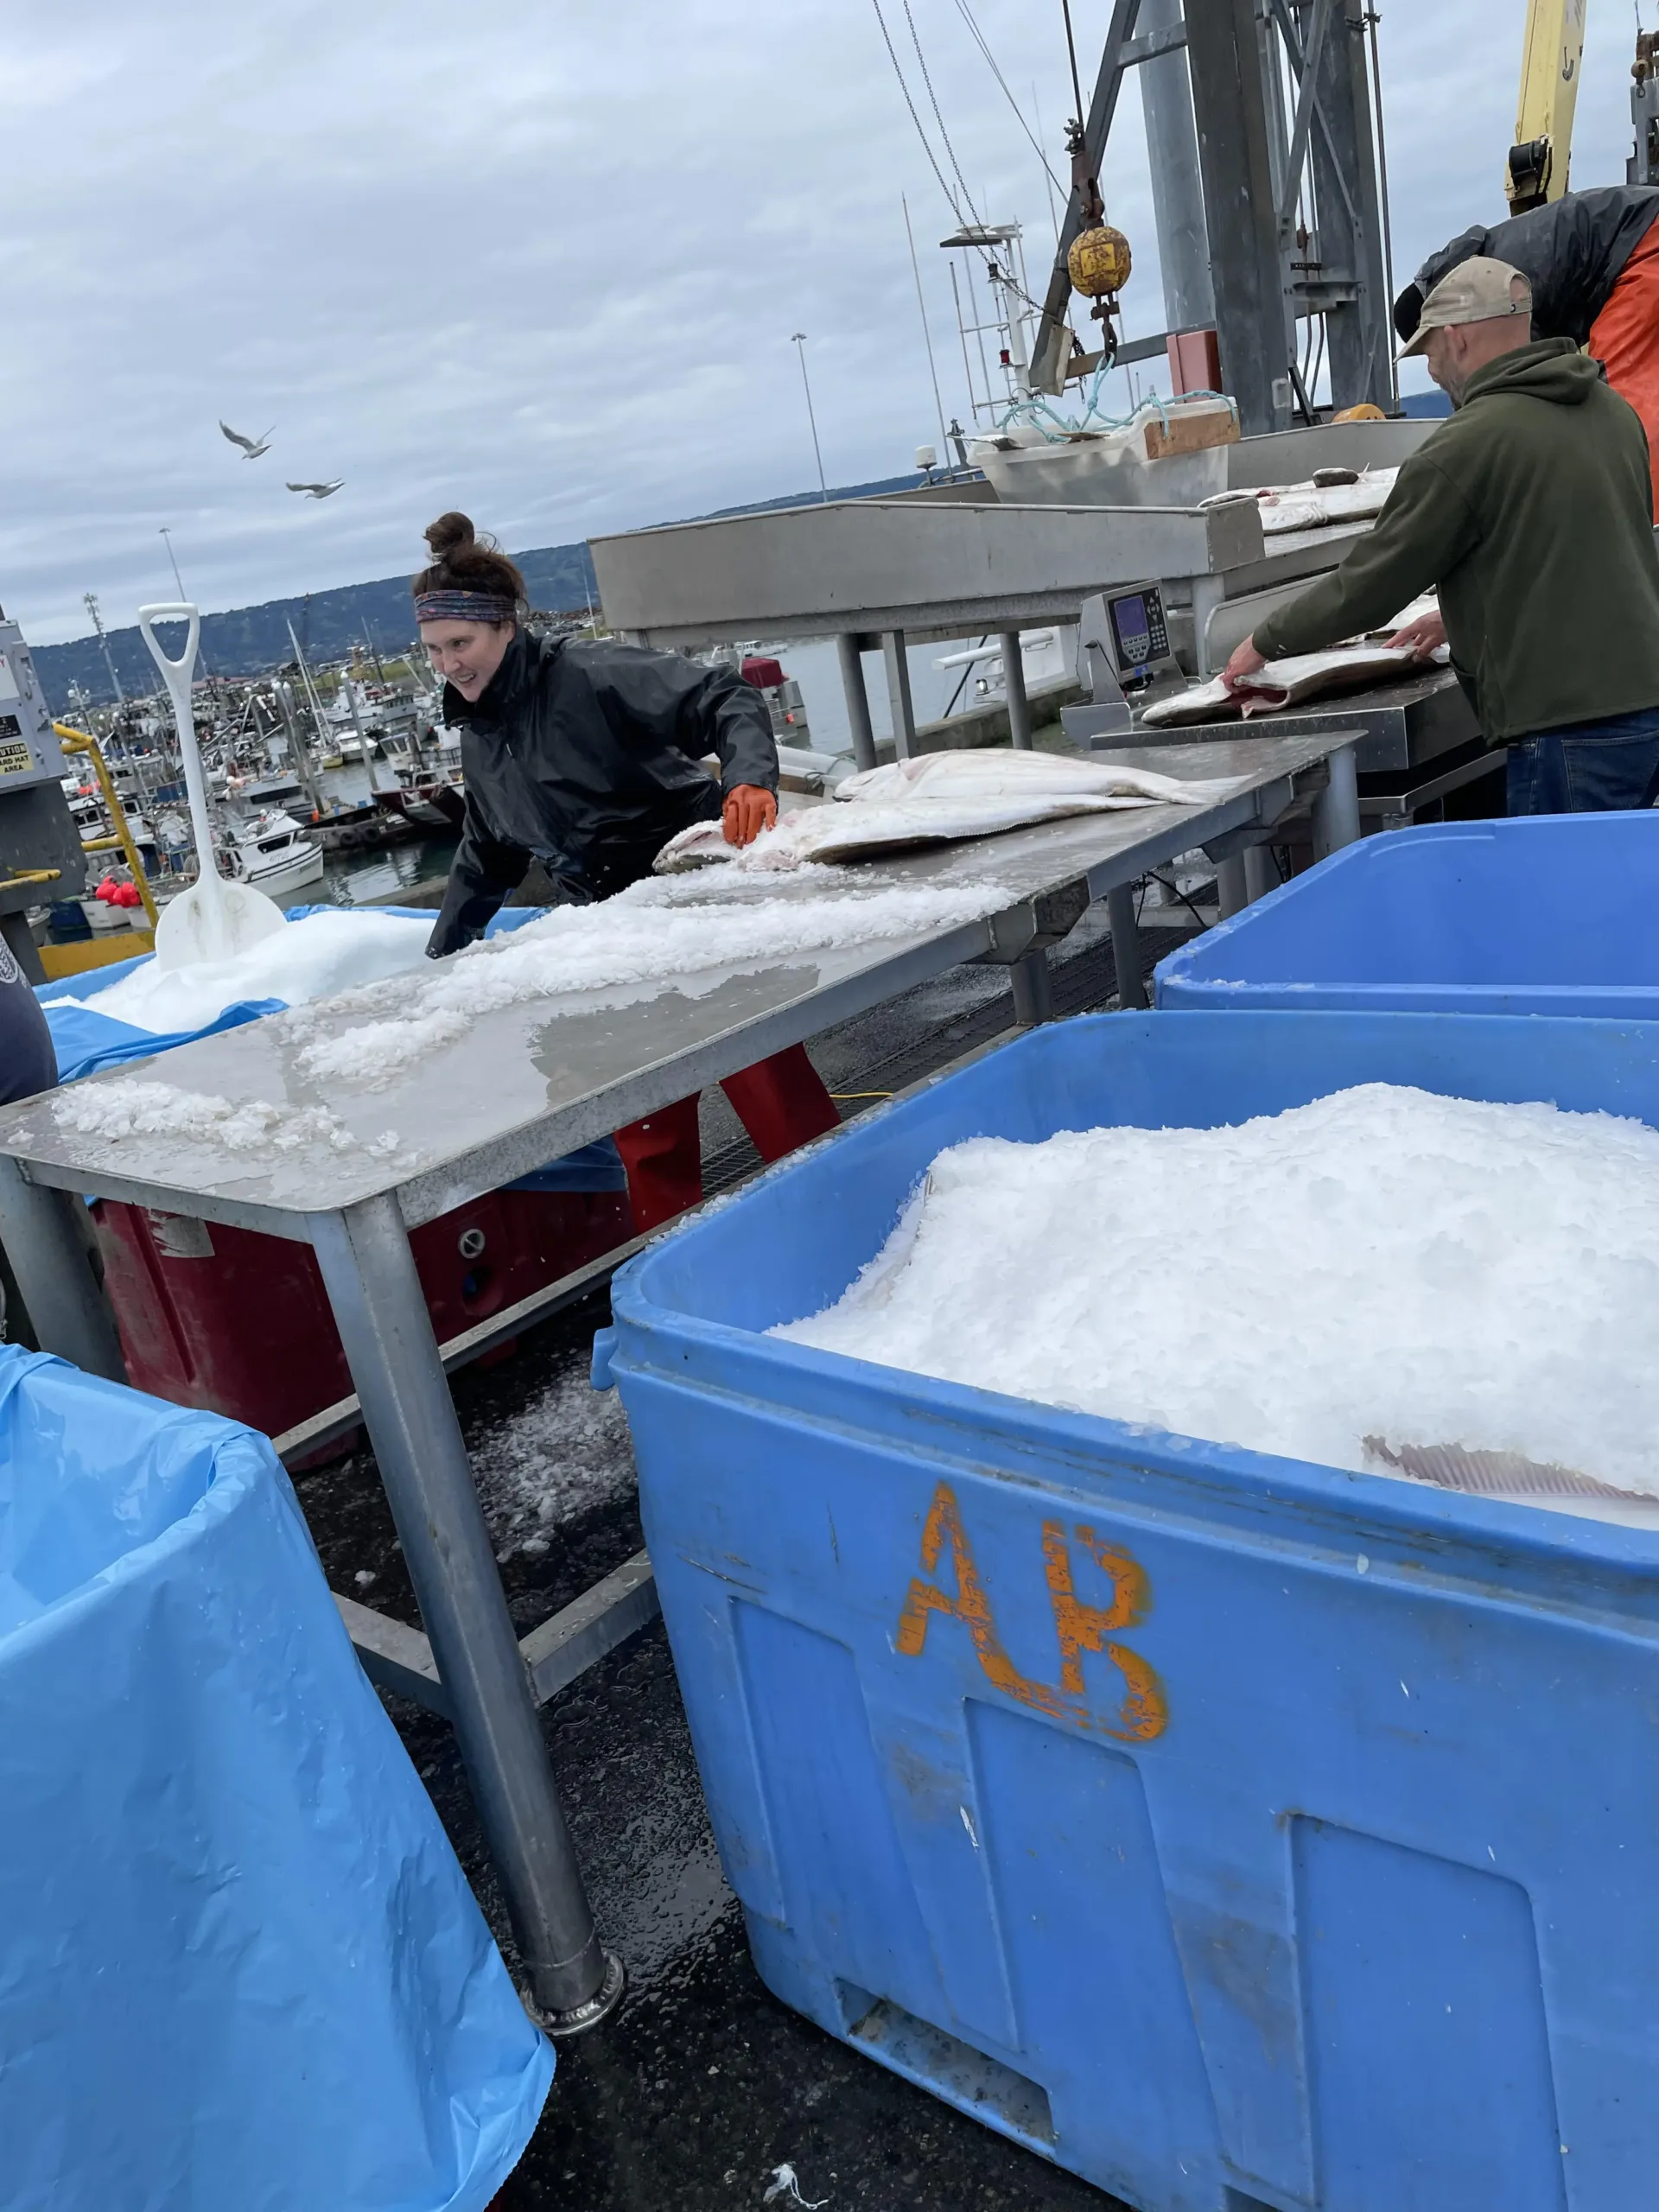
[{"x": 528, "y": 1082}]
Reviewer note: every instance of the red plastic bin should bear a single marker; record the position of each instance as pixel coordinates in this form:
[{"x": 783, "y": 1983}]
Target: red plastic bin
[{"x": 239, "y": 1323}]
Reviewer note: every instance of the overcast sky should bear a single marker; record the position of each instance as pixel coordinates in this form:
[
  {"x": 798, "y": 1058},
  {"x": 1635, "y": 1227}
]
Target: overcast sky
[{"x": 545, "y": 262}]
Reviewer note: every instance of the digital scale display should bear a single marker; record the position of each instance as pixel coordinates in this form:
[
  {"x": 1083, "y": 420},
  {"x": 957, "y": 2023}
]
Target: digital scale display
[{"x": 1139, "y": 631}]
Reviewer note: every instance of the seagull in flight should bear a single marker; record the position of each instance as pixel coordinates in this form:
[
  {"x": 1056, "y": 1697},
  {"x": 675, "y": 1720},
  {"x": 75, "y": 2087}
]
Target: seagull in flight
[
  {"x": 319, "y": 491},
  {"x": 252, "y": 448}
]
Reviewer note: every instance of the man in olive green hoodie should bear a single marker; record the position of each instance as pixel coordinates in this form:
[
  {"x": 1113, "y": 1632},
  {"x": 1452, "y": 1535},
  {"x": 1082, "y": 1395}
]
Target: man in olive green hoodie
[{"x": 1530, "y": 512}]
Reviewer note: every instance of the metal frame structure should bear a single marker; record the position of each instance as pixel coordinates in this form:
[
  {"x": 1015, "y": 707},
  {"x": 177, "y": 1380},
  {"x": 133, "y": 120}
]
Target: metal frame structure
[
  {"x": 876, "y": 573},
  {"x": 558, "y": 1078},
  {"x": 999, "y": 250},
  {"x": 1266, "y": 169}
]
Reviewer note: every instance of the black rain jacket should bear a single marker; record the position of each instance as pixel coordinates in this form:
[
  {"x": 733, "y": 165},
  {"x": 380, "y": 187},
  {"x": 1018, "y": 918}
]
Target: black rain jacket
[
  {"x": 1571, "y": 251},
  {"x": 27, "y": 1063},
  {"x": 584, "y": 756}
]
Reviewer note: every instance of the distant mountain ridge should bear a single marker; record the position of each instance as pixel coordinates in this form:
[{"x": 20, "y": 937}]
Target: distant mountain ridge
[{"x": 248, "y": 640}]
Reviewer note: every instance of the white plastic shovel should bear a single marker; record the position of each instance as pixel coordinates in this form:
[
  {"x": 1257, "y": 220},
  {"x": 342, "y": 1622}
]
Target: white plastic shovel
[{"x": 215, "y": 919}]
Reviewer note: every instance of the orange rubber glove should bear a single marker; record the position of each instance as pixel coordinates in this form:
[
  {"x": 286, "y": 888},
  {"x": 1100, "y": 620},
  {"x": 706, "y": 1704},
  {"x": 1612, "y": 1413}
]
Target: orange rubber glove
[{"x": 749, "y": 808}]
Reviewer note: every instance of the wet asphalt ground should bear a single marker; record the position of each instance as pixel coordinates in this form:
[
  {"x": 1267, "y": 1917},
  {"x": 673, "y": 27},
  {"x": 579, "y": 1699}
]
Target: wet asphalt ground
[{"x": 702, "y": 2084}]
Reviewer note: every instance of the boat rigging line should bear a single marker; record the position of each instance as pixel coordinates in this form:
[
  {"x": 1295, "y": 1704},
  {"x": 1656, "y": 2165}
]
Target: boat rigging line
[
  {"x": 927, "y": 335},
  {"x": 995, "y": 268},
  {"x": 1071, "y": 55},
  {"x": 968, "y": 17},
  {"x": 938, "y": 116},
  {"x": 904, "y": 86}
]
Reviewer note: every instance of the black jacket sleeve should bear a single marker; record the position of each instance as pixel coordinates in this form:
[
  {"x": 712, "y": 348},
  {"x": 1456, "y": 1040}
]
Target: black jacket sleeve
[
  {"x": 1571, "y": 251},
  {"x": 697, "y": 710},
  {"x": 482, "y": 874},
  {"x": 27, "y": 1063}
]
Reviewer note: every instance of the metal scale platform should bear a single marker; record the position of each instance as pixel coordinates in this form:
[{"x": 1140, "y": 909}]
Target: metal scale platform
[{"x": 1418, "y": 740}]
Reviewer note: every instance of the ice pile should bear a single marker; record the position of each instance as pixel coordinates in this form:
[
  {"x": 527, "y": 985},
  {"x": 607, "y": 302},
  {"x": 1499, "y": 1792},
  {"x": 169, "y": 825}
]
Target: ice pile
[
  {"x": 662, "y": 934},
  {"x": 938, "y": 799},
  {"x": 310, "y": 959},
  {"x": 1382, "y": 1263},
  {"x": 130, "y": 1106}
]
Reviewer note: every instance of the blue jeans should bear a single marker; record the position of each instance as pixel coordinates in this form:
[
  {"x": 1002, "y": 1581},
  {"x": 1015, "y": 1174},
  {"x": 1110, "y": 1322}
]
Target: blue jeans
[{"x": 1587, "y": 767}]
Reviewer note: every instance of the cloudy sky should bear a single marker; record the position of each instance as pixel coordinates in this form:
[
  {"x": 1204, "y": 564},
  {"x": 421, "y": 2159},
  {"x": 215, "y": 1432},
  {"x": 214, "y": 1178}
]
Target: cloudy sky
[{"x": 543, "y": 262}]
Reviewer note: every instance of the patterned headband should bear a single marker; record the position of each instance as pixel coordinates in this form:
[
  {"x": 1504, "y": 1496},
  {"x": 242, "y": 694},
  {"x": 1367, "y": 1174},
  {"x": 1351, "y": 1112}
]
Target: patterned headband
[{"x": 464, "y": 606}]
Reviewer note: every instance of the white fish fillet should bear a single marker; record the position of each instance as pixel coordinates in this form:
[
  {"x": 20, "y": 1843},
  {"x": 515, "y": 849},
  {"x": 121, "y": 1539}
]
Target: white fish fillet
[
  {"x": 939, "y": 798},
  {"x": 1284, "y": 684},
  {"x": 994, "y": 773}
]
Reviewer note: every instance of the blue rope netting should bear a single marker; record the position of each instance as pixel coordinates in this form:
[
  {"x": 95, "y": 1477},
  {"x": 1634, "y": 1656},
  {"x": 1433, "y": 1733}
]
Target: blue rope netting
[{"x": 1036, "y": 411}]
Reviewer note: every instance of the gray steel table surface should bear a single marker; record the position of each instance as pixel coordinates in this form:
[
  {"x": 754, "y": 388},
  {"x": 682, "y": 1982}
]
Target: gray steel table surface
[
  {"x": 529, "y": 1082},
  {"x": 524, "y": 1083}
]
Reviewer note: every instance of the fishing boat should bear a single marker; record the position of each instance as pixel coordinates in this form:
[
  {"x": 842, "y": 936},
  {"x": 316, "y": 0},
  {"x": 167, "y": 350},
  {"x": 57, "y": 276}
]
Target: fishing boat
[
  {"x": 433, "y": 797},
  {"x": 271, "y": 851}
]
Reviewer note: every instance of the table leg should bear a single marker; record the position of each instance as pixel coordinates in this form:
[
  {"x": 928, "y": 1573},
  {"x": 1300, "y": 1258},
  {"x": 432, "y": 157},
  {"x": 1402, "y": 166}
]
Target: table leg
[
  {"x": 898, "y": 698},
  {"x": 382, "y": 1315},
  {"x": 858, "y": 700},
  {"x": 1126, "y": 947},
  {"x": 1013, "y": 679},
  {"x": 1336, "y": 809},
  {"x": 1034, "y": 989},
  {"x": 52, "y": 1263},
  {"x": 1261, "y": 876},
  {"x": 1232, "y": 890}
]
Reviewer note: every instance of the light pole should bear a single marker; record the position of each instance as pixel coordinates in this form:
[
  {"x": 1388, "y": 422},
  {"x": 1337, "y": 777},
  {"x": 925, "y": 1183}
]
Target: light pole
[{"x": 798, "y": 340}]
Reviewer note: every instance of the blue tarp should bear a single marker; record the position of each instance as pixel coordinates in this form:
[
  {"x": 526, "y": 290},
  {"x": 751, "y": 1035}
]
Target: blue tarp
[
  {"x": 241, "y": 1966},
  {"x": 86, "y": 1041}
]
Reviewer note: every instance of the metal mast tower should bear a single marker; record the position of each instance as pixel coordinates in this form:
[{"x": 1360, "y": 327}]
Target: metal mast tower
[
  {"x": 1275, "y": 127},
  {"x": 90, "y": 601}
]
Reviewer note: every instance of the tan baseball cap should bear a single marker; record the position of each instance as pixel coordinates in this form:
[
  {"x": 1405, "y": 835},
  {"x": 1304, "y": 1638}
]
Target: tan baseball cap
[{"x": 1480, "y": 289}]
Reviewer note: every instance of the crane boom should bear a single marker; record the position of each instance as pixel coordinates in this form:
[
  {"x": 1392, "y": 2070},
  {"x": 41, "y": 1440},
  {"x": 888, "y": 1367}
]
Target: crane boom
[{"x": 1551, "y": 53}]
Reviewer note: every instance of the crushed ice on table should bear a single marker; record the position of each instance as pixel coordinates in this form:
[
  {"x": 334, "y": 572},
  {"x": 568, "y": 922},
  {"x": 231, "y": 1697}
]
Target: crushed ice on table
[
  {"x": 1383, "y": 1262},
  {"x": 659, "y": 934},
  {"x": 129, "y": 1106}
]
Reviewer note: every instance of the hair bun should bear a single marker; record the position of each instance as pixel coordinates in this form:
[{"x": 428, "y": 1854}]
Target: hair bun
[
  {"x": 462, "y": 561},
  {"x": 450, "y": 535}
]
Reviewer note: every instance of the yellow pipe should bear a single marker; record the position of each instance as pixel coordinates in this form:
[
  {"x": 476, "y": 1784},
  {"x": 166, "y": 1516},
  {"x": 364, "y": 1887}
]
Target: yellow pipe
[
  {"x": 76, "y": 740},
  {"x": 29, "y": 875}
]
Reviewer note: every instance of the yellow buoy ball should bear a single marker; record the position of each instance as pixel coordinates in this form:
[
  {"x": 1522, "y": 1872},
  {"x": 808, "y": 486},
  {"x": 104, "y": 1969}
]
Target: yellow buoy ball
[
  {"x": 1365, "y": 412},
  {"x": 1099, "y": 262}
]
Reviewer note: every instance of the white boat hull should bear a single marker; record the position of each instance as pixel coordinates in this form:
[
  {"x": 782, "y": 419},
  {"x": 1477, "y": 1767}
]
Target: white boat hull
[{"x": 286, "y": 872}]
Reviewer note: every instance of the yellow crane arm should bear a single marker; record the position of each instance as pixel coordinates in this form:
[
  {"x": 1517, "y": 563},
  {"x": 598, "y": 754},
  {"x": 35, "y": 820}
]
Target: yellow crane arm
[{"x": 1554, "y": 48}]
